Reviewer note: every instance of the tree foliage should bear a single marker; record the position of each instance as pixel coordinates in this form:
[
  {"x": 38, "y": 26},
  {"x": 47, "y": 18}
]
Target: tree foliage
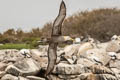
[{"x": 100, "y": 24}]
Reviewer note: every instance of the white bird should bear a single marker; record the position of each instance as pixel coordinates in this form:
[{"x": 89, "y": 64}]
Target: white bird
[
  {"x": 113, "y": 55},
  {"x": 114, "y": 37},
  {"x": 25, "y": 52},
  {"x": 77, "y": 40}
]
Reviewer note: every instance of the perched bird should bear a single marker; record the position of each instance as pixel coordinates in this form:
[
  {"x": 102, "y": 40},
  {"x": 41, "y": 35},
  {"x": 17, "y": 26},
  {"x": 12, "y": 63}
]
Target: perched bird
[
  {"x": 25, "y": 52},
  {"x": 113, "y": 55},
  {"x": 114, "y": 37}
]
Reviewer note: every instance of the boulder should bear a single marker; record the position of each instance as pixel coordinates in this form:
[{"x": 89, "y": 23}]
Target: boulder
[
  {"x": 115, "y": 64},
  {"x": 2, "y": 66},
  {"x": 24, "y": 67},
  {"x": 69, "y": 60},
  {"x": 110, "y": 46},
  {"x": 68, "y": 69},
  {"x": 2, "y": 73},
  {"x": 91, "y": 76},
  {"x": 43, "y": 50},
  {"x": 115, "y": 70},
  {"x": 98, "y": 56},
  {"x": 68, "y": 77},
  {"x": 118, "y": 56},
  {"x": 83, "y": 48},
  {"x": 9, "y": 77},
  {"x": 36, "y": 52},
  {"x": 113, "y": 46},
  {"x": 12, "y": 55},
  {"x": 34, "y": 78},
  {"x": 71, "y": 50},
  {"x": 22, "y": 78},
  {"x": 53, "y": 77},
  {"x": 85, "y": 62},
  {"x": 98, "y": 69},
  {"x": 43, "y": 61},
  {"x": 84, "y": 76},
  {"x": 70, "y": 53},
  {"x": 60, "y": 52}
]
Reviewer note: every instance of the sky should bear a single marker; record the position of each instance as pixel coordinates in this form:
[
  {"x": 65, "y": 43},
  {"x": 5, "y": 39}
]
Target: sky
[{"x": 28, "y": 14}]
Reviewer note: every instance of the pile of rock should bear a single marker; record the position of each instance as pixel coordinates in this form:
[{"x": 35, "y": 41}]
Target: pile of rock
[
  {"x": 15, "y": 66},
  {"x": 84, "y": 61}
]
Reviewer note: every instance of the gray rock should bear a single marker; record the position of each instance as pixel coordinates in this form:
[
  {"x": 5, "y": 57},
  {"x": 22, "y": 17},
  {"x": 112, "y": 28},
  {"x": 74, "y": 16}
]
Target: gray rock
[
  {"x": 115, "y": 70},
  {"x": 34, "y": 78},
  {"x": 2, "y": 73},
  {"x": 68, "y": 69},
  {"x": 70, "y": 61},
  {"x": 37, "y": 52},
  {"x": 85, "y": 62},
  {"x": 118, "y": 56},
  {"x": 113, "y": 46},
  {"x": 98, "y": 69},
  {"x": 78, "y": 63},
  {"x": 71, "y": 50},
  {"x": 22, "y": 78},
  {"x": 43, "y": 50},
  {"x": 110, "y": 46},
  {"x": 115, "y": 64},
  {"x": 53, "y": 77},
  {"x": 84, "y": 76},
  {"x": 60, "y": 52},
  {"x": 91, "y": 76},
  {"x": 7, "y": 56},
  {"x": 43, "y": 61},
  {"x": 2, "y": 66},
  {"x": 9, "y": 77},
  {"x": 68, "y": 77},
  {"x": 83, "y": 48},
  {"x": 70, "y": 53},
  {"x": 98, "y": 56},
  {"x": 24, "y": 67},
  {"x": 105, "y": 77}
]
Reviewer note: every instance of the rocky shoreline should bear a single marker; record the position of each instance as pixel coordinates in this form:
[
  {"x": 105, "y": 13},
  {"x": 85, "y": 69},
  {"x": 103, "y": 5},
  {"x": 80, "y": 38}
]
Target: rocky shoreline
[{"x": 84, "y": 61}]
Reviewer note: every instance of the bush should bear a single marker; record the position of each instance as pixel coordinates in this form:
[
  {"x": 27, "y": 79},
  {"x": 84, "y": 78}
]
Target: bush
[
  {"x": 34, "y": 44},
  {"x": 100, "y": 24}
]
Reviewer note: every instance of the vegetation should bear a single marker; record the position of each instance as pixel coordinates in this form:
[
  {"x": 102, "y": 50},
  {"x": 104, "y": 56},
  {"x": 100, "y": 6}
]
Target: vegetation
[
  {"x": 100, "y": 24},
  {"x": 15, "y": 46},
  {"x": 19, "y": 39}
]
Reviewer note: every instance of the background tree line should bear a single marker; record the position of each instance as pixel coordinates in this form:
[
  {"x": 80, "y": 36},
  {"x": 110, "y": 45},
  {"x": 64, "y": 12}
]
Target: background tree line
[{"x": 100, "y": 24}]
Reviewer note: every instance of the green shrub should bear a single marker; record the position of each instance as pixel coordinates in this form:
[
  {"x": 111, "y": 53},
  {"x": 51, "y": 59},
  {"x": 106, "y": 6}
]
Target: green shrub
[
  {"x": 15, "y": 46},
  {"x": 34, "y": 44}
]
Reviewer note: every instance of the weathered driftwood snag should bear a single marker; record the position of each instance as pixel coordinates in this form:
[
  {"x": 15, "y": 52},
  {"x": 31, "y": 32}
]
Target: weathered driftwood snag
[{"x": 56, "y": 33}]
